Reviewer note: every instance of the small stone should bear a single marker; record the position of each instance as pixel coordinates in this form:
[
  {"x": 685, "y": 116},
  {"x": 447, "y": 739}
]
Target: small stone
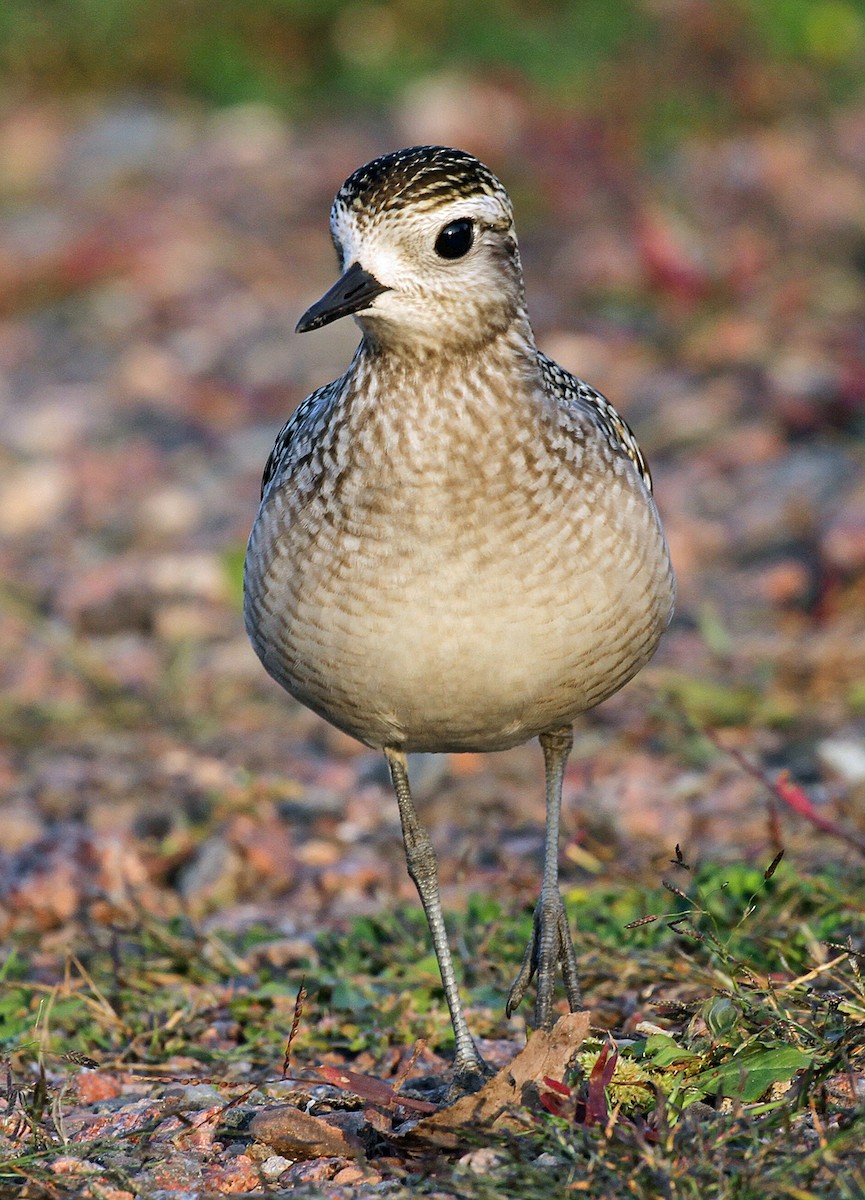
[
  {"x": 198, "y": 576},
  {"x": 298, "y": 1135},
  {"x": 120, "y": 1122},
  {"x": 274, "y": 1166},
  {"x": 548, "y": 1160},
  {"x": 451, "y": 109},
  {"x": 189, "y": 621},
  {"x": 281, "y": 953},
  {"x": 151, "y": 373},
  {"x": 248, "y": 135},
  {"x": 317, "y": 1170},
  {"x": 54, "y": 420},
  {"x": 318, "y": 853},
  {"x": 267, "y": 847},
  {"x": 845, "y": 757},
  {"x": 32, "y": 497},
  {"x": 195, "y": 1097},
  {"x": 196, "y": 1132},
  {"x": 213, "y": 877},
  {"x": 355, "y": 1174},
  {"x": 785, "y": 582},
  {"x": 93, "y": 1086},
  {"x": 482, "y": 1161},
  {"x": 584, "y": 354},
  {"x": 844, "y": 541},
  {"x": 31, "y": 145},
  {"x": 67, "y": 1165},
  {"x": 177, "y": 1173},
  {"x": 22, "y": 825},
  {"x": 170, "y": 512},
  {"x": 240, "y": 1175}
]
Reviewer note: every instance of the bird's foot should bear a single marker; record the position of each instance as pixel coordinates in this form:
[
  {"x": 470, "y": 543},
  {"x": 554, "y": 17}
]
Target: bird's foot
[
  {"x": 468, "y": 1077},
  {"x": 549, "y": 947}
]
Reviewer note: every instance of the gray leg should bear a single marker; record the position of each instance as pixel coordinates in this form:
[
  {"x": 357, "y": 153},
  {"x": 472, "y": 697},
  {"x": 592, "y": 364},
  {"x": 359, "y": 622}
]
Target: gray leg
[
  {"x": 469, "y": 1067},
  {"x": 550, "y": 944}
]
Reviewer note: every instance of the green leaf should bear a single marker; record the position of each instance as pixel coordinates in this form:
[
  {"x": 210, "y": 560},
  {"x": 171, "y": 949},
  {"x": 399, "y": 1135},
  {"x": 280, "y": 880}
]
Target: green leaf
[
  {"x": 663, "y": 1051},
  {"x": 16, "y": 1015},
  {"x": 349, "y": 998},
  {"x": 748, "y": 1074},
  {"x": 721, "y": 1016}
]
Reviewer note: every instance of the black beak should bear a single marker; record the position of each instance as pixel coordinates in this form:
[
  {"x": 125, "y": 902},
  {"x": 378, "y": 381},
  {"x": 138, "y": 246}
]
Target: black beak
[{"x": 352, "y": 292}]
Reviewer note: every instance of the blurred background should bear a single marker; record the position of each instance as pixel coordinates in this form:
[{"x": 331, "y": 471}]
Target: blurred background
[{"x": 689, "y": 182}]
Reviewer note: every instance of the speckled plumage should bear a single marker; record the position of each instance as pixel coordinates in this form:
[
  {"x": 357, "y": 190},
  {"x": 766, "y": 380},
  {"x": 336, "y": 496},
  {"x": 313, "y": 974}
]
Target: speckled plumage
[{"x": 457, "y": 546}]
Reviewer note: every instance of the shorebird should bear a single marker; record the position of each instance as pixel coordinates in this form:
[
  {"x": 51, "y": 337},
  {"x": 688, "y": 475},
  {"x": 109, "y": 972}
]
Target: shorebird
[{"x": 457, "y": 548}]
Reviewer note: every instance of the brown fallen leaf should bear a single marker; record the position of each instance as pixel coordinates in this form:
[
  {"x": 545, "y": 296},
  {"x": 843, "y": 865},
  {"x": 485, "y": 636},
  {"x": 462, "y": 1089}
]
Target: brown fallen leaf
[
  {"x": 373, "y": 1090},
  {"x": 298, "y": 1135},
  {"x": 545, "y": 1056}
]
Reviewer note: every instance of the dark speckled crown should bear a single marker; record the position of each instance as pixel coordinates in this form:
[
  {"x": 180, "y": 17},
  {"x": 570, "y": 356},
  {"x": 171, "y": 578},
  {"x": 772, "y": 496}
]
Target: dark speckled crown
[{"x": 420, "y": 176}]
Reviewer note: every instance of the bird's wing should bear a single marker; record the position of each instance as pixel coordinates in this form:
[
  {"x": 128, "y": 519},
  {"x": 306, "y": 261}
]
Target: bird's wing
[
  {"x": 575, "y": 394},
  {"x": 297, "y": 437}
]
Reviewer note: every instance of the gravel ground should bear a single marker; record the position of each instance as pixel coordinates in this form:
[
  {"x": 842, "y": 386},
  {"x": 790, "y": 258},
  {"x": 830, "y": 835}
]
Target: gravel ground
[{"x": 153, "y": 262}]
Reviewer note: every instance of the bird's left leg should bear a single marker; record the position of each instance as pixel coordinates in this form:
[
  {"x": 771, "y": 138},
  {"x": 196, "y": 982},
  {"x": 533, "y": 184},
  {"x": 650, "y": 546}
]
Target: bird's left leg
[{"x": 550, "y": 945}]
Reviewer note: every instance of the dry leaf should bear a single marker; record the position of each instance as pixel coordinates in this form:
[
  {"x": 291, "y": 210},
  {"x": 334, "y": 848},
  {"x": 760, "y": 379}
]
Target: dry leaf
[
  {"x": 546, "y": 1055},
  {"x": 373, "y": 1090}
]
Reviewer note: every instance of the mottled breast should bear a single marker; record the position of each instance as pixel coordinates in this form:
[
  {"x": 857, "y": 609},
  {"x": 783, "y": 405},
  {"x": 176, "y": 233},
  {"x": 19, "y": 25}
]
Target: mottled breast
[{"x": 473, "y": 573}]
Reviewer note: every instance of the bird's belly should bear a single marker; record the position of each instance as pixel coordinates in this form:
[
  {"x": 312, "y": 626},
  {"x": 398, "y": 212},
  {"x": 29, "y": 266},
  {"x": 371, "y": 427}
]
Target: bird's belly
[{"x": 474, "y": 640}]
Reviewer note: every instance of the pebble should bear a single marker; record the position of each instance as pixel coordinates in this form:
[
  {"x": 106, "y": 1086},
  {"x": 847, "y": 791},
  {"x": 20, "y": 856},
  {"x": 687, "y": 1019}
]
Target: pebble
[
  {"x": 93, "y": 1086},
  {"x": 214, "y": 875},
  {"x": 483, "y": 1160},
  {"x": 234, "y": 1178},
  {"x": 844, "y": 540},
  {"x": 274, "y": 1166},
  {"x": 316, "y": 1170},
  {"x": 32, "y": 497},
  {"x": 454, "y": 109},
  {"x": 195, "y": 1097},
  {"x": 549, "y": 1161},
  {"x": 299, "y": 1135},
  {"x": 786, "y": 582},
  {"x": 22, "y": 824},
  {"x": 844, "y": 756}
]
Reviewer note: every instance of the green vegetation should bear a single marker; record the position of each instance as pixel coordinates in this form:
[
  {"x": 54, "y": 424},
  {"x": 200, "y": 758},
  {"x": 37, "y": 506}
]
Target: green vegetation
[
  {"x": 754, "y": 973},
  {"x": 672, "y": 66}
]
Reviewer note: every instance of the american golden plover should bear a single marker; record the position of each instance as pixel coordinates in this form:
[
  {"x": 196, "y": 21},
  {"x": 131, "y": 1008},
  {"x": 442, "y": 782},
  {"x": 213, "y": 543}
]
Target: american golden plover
[{"x": 457, "y": 546}]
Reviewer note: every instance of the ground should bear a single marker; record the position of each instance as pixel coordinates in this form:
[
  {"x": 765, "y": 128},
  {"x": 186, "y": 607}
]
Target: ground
[{"x": 183, "y": 847}]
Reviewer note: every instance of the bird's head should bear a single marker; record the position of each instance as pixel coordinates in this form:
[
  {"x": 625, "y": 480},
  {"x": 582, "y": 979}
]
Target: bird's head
[{"x": 426, "y": 243}]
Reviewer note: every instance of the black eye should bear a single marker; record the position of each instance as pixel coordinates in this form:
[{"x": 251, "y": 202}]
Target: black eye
[{"x": 455, "y": 239}]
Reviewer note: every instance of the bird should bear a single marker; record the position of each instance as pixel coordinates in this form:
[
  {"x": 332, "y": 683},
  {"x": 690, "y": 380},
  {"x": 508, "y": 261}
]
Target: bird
[{"x": 457, "y": 546}]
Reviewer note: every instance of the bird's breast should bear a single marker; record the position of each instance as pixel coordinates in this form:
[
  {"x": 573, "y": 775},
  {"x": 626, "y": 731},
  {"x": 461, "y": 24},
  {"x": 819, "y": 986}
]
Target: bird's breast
[{"x": 458, "y": 601}]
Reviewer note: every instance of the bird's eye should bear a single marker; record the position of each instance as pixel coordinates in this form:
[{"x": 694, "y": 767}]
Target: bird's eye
[{"x": 455, "y": 239}]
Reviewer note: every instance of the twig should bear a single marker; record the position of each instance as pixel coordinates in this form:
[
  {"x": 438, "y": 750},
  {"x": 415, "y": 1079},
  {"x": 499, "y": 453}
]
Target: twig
[
  {"x": 419, "y": 1045},
  {"x": 814, "y": 974},
  {"x": 790, "y": 794}
]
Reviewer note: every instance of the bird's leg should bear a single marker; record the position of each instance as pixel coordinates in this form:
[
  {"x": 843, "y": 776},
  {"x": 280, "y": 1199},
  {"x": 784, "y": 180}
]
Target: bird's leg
[
  {"x": 469, "y": 1068},
  {"x": 550, "y": 944}
]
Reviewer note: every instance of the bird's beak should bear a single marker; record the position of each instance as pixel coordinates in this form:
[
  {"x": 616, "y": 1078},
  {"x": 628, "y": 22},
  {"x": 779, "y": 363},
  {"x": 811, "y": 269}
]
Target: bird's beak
[{"x": 353, "y": 291}]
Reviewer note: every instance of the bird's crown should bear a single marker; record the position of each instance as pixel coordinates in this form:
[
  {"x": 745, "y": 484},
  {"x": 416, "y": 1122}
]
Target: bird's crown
[{"x": 420, "y": 177}]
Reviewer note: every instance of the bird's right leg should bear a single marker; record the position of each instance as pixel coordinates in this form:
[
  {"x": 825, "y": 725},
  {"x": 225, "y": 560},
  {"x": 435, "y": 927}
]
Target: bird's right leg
[{"x": 470, "y": 1070}]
